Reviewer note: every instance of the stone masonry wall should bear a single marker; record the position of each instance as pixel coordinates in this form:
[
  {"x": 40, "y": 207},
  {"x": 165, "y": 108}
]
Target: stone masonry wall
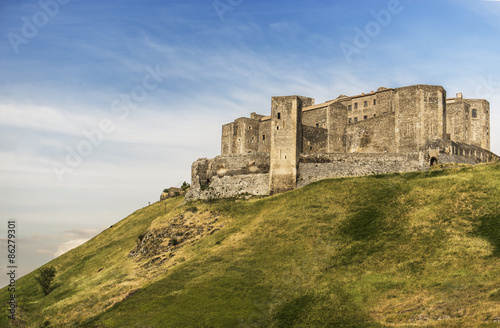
[
  {"x": 231, "y": 186},
  {"x": 243, "y": 173},
  {"x": 373, "y": 135},
  {"x": 317, "y": 167}
]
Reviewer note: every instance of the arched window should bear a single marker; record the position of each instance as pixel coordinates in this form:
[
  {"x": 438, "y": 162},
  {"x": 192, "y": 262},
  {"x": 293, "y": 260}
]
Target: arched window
[
  {"x": 474, "y": 112},
  {"x": 279, "y": 116},
  {"x": 434, "y": 161}
]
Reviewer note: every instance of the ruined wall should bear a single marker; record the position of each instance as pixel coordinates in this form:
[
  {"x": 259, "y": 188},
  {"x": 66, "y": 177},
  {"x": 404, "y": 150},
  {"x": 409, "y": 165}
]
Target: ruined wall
[
  {"x": 480, "y": 125},
  {"x": 323, "y": 166},
  {"x": 231, "y": 186},
  {"x": 375, "y": 135},
  {"x": 286, "y": 142},
  {"x": 210, "y": 174}
]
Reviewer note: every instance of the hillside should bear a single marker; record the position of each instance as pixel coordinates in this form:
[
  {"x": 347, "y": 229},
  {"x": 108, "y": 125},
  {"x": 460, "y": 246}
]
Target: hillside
[{"x": 392, "y": 250}]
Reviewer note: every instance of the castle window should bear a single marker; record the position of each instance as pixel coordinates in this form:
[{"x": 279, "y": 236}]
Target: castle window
[
  {"x": 374, "y": 102},
  {"x": 350, "y": 120},
  {"x": 355, "y": 119},
  {"x": 317, "y": 125},
  {"x": 355, "y": 105},
  {"x": 263, "y": 137},
  {"x": 350, "y": 107},
  {"x": 365, "y": 117},
  {"x": 474, "y": 113},
  {"x": 374, "y": 115},
  {"x": 366, "y": 103},
  {"x": 279, "y": 116},
  {"x": 277, "y": 128}
]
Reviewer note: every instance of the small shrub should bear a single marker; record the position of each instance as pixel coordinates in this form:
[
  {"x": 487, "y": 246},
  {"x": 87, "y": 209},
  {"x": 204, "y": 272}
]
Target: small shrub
[{"x": 192, "y": 209}]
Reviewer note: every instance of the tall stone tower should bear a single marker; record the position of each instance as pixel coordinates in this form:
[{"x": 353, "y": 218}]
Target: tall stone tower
[
  {"x": 286, "y": 143},
  {"x": 420, "y": 116}
]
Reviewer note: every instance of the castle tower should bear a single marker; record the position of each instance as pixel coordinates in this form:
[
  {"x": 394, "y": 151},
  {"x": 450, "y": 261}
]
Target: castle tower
[
  {"x": 480, "y": 123},
  {"x": 286, "y": 143},
  {"x": 420, "y": 116}
]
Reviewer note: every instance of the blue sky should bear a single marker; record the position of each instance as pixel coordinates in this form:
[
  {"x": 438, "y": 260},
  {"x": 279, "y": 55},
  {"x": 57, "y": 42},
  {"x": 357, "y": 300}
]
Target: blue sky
[{"x": 140, "y": 89}]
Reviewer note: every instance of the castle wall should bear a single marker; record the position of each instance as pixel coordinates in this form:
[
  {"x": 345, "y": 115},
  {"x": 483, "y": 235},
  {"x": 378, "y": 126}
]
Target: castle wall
[
  {"x": 265, "y": 136},
  {"x": 286, "y": 142},
  {"x": 315, "y": 117},
  {"x": 323, "y": 166},
  {"x": 374, "y": 135},
  {"x": 227, "y": 139},
  {"x": 240, "y": 137},
  {"x": 370, "y": 105},
  {"x": 314, "y": 140}
]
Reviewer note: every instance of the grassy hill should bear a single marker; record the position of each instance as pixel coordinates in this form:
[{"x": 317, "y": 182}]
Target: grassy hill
[{"x": 399, "y": 250}]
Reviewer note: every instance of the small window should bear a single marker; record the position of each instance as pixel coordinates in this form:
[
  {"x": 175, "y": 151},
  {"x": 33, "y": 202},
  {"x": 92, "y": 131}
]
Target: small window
[
  {"x": 277, "y": 128},
  {"x": 263, "y": 137},
  {"x": 374, "y": 102},
  {"x": 350, "y": 120},
  {"x": 249, "y": 128},
  {"x": 355, "y": 119},
  {"x": 365, "y": 117},
  {"x": 366, "y": 103},
  {"x": 355, "y": 105},
  {"x": 474, "y": 113},
  {"x": 350, "y": 107},
  {"x": 279, "y": 116},
  {"x": 374, "y": 115},
  {"x": 317, "y": 125}
]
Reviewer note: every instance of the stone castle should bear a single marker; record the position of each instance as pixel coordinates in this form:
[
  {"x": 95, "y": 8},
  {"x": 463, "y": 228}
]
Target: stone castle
[{"x": 391, "y": 130}]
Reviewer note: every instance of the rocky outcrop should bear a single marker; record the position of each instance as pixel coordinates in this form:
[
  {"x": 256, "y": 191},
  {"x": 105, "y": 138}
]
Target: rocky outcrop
[{"x": 161, "y": 244}]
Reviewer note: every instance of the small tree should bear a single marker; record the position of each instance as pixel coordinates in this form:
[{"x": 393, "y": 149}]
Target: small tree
[
  {"x": 45, "y": 277},
  {"x": 185, "y": 186}
]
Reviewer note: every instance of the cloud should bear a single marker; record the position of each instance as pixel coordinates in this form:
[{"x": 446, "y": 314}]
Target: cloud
[
  {"x": 69, "y": 245},
  {"x": 44, "y": 251}
]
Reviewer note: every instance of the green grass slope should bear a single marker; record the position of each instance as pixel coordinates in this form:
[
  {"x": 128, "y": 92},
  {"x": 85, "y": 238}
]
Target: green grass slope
[{"x": 400, "y": 250}]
